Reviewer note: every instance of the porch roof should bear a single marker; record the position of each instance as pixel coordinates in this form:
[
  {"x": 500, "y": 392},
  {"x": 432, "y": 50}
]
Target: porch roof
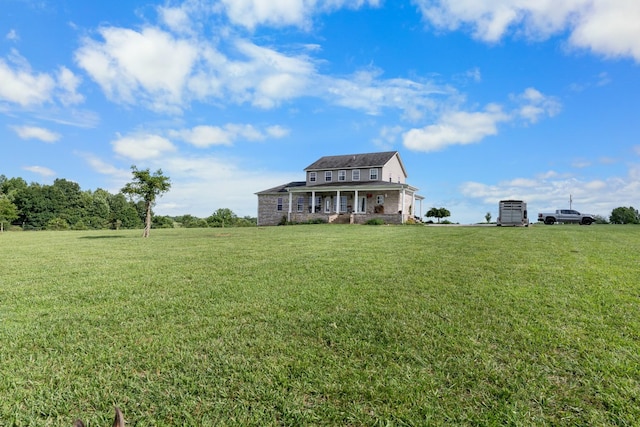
[{"x": 351, "y": 186}]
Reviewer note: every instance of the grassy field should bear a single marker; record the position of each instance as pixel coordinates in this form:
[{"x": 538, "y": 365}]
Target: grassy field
[{"x": 322, "y": 325}]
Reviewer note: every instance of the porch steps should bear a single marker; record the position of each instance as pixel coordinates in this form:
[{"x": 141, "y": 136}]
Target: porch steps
[{"x": 340, "y": 219}]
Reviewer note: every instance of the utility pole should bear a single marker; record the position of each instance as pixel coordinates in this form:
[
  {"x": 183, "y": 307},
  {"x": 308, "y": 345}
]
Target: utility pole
[{"x": 570, "y": 201}]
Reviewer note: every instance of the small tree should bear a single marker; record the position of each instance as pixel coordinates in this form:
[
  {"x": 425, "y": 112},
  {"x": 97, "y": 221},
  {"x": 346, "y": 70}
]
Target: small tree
[
  {"x": 623, "y": 215},
  {"x": 8, "y": 212},
  {"x": 223, "y": 217},
  {"x": 487, "y": 216},
  {"x": 147, "y": 187},
  {"x": 438, "y": 213}
]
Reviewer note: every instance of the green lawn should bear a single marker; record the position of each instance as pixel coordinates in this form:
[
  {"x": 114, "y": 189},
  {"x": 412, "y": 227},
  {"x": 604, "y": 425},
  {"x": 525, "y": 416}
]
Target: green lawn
[{"x": 322, "y": 325}]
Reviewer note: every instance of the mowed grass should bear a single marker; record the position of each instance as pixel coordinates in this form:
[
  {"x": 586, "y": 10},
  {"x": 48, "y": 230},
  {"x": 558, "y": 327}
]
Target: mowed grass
[{"x": 322, "y": 325}]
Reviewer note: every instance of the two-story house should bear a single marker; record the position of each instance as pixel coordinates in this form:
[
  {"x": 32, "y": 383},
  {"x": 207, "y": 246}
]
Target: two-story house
[{"x": 350, "y": 189}]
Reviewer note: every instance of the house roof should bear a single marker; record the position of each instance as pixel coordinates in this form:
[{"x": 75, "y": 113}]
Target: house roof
[
  {"x": 350, "y": 161},
  {"x": 283, "y": 188}
]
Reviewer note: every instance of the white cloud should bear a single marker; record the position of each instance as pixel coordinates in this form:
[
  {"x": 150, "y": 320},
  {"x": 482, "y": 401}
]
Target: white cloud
[
  {"x": 142, "y": 146},
  {"x": 366, "y": 91},
  {"x": 206, "y": 136},
  {"x": 33, "y": 132},
  {"x": 129, "y": 64},
  {"x": 68, "y": 87},
  {"x": 22, "y": 86},
  {"x": 176, "y": 18},
  {"x": 278, "y": 13},
  {"x": 40, "y": 170},
  {"x": 606, "y": 27},
  {"x": 12, "y": 35},
  {"x": 104, "y": 168},
  {"x": 534, "y": 105},
  {"x": 456, "y": 128},
  {"x": 27, "y": 88},
  {"x": 278, "y": 131},
  {"x": 388, "y": 137}
]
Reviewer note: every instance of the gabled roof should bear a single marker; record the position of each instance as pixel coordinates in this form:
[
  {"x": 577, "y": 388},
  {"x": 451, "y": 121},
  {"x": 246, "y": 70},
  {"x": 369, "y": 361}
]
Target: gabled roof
[
  {"x": 283, "y": 188},
  {"x": 350, "y": 161}
]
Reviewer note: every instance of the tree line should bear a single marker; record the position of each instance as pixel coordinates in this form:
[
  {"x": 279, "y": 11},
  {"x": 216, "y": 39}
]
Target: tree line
[{"x": 63, "y": 205}]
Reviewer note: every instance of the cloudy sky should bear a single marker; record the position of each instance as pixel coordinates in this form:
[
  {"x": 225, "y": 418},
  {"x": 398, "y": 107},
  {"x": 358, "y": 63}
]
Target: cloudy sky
[{"x": 484, "y": 100}]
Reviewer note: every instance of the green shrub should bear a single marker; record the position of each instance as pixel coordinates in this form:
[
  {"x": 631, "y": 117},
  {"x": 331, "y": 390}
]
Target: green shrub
[{"x": 375, "y": 221}]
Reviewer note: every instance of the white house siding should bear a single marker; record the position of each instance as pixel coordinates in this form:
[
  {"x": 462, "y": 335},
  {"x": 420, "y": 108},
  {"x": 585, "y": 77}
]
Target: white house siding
[{"x": 393, "y": 169}]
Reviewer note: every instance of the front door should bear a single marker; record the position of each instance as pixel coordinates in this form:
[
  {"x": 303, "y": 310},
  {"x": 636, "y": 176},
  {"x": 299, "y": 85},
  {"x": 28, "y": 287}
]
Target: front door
[{"x": 362, "y": 205}]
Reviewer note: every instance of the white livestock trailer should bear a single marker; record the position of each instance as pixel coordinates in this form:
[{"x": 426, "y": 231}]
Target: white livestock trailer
[{"x": 513, "y": 213}]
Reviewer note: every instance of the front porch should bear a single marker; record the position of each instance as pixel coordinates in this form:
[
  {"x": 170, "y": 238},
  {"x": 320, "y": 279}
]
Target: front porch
[
  {"x": 346, "y": 218},
  {"x": 394, "y": 204}
]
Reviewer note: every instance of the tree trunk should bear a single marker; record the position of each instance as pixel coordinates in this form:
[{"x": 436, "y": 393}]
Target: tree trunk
[{"x": 147, "y": 221}]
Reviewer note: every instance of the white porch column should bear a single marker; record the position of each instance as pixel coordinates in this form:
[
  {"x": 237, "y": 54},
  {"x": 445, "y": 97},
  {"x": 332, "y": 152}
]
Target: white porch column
[
  {"x": 404, "y": 194},
  {"x": 290, "y": 206},
  {"x": 313, "y": 201},
  {"x": 338, "y": 202},
  {"x": 413, "y": 204},
  {"x": 356, "y": 202}
]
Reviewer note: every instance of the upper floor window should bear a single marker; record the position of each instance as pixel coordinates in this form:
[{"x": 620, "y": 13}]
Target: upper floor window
[
  {"x": 373, "y": 174},
  {"x": 355, "y": 175},
  {"x": 312, "y": 177},
  {"x": 342, "y": 175},
  {"x": 327, "y": 176}
]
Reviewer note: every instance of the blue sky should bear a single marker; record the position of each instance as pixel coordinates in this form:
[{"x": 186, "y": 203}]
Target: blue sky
[{"x": 484, "y": 100}]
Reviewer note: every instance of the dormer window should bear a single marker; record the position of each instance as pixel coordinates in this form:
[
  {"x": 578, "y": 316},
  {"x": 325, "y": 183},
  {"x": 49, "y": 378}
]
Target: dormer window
[
  {"x": 327, "y": 176},
  {"x": 373, "y": 174},
  {"x": 342, "y": 175},
  {"x": 312, "y": 177}
]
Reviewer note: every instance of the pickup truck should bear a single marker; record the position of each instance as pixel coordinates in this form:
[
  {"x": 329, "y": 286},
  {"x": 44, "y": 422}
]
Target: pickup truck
[{"x": 566, "y": 215}]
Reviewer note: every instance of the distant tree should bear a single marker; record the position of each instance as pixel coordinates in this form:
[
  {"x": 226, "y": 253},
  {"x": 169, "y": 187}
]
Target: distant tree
[
  {"x": 247, "y": 221},
  {"x": 190, "y": 221},
  {"x": 162, "y": 222},
  {"x": 623, "y": 215},
  {"x": 487, "y": 217},
  {"x": 438, "y": 213},
  {"x": 147, "y": 186},
  {"x": 8, "y": 186},
  {"x": 223, "y": 217},
  {"x": 35, "y": 206},
  {"x": 601, "y": 219},
  {"x": 8, "y": 212},
  {"x": 123, "y": 213}
]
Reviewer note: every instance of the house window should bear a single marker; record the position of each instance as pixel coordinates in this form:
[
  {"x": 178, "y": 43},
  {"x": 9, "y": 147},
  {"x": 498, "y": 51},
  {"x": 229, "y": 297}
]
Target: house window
[
  {"x": 343, "y": 203},
  {"x": 327, "y": 176},
  {"x": 312, "y": 177},
  {"x": 373, "y": 174},
  {"x": 379, "y": 199},
  {"x": 300, "y": 204},
  {"x": 279, "y": 203},
  {"x": 355, "y": 175},
  {"x": 315, "y": 207},
  {"x": 342, "y": 175}
]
